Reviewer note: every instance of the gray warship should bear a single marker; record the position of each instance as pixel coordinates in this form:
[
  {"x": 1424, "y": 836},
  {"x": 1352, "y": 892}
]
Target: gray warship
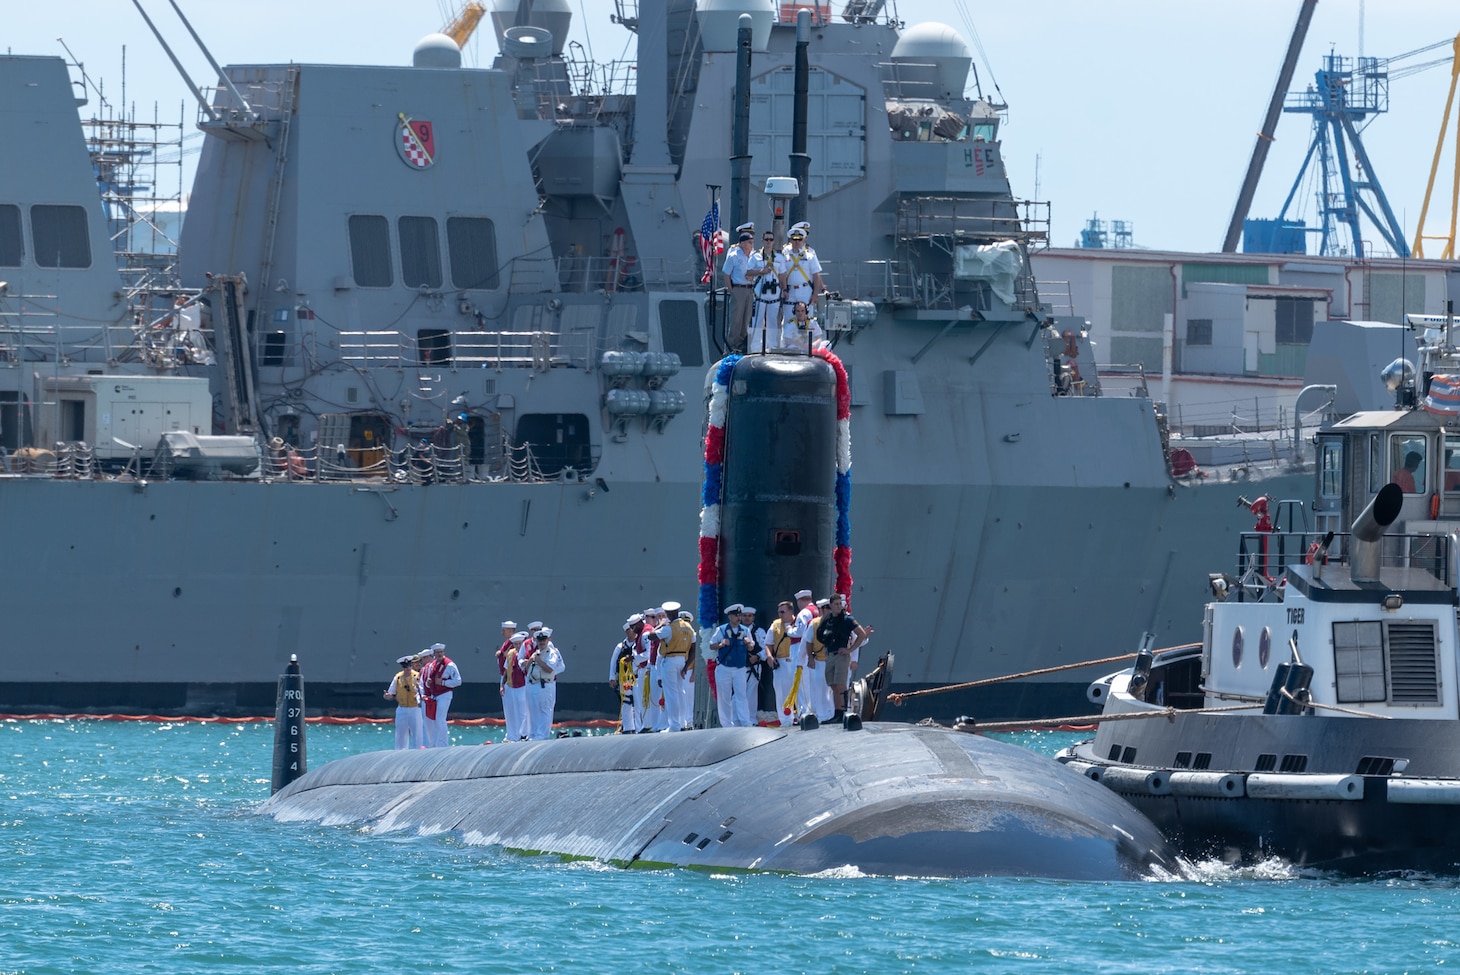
[{"x": 441, "y": 357}]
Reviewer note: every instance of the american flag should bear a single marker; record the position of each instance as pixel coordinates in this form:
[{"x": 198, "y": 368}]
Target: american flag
[{"x": 710, "y": 241}]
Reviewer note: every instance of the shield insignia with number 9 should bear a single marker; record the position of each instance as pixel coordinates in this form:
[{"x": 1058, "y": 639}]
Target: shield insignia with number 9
[{"x": 415, "y": 142}]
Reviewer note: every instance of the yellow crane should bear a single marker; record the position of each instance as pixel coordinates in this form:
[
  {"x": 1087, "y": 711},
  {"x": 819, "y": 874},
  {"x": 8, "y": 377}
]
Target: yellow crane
[
  {"x": 464, "y": 24},
  {"x": 1419, "y": 235}
]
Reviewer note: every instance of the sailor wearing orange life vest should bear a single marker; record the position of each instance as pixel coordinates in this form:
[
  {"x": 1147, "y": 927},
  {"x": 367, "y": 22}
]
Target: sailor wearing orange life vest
[
  {"x": 439, "y": 680},
  {"x": 677, "y": 669},
  {"x": 543, "y": 665},
  {"x": 406, "y": 694}
]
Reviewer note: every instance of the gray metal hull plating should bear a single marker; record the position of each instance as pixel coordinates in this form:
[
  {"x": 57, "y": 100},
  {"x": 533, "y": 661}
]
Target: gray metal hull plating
[{"x": 891, "y": 800}]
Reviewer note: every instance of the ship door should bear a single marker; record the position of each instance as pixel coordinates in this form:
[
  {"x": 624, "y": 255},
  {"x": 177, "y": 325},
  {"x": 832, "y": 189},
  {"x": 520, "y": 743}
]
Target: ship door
[
  {"x": 1328, "y": 508},
  {"x": 1410, "y": 466}
]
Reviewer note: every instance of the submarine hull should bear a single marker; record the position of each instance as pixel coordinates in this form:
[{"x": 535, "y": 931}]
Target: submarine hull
[{"x": 897, "y": 800}]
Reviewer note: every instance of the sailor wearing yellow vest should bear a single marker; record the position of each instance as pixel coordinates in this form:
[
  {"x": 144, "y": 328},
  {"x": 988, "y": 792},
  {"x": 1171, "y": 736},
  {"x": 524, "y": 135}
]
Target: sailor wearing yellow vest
[
  {"x": 406, "y": 693},
  {"x": 678, "y": 652},
  {"x": 799, "y": 269},
  {"x": 623, "y": 677},
  {"x": 779, "y": 644}
]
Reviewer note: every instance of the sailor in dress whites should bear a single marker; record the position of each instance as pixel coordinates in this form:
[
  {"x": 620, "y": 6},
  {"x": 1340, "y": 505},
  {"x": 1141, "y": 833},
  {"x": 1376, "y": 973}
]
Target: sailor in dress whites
[
  {"x": 799, "y": 269},
  {"x": 677, "y": 669},
  {"x": 801, "y": 332},
  {"x": 765, "y": 323},
  {"x": 544, "y": 664},
  {"x": 803, "y": 634},
  {"x": 732, "y": 642},
  {"x": 778, "y": 648},
  {"x": 736, "y": 268},
  {"x": 508, "y": 707},
  {"x": 439, "y": 680},
  {"x": 405, "y": 691},
  {"x": 623, "y": 676},
  {"x": 514, "y": 690}
]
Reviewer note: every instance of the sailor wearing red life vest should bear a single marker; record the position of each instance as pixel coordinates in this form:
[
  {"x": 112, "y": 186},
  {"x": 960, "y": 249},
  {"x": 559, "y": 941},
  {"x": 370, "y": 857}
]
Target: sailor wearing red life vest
[
  {"x": 656, "y": 633},
  {"x": 510, "y": 702},
  {"x": 439, "y": 680},
  {"x": 515, "y": 689}
]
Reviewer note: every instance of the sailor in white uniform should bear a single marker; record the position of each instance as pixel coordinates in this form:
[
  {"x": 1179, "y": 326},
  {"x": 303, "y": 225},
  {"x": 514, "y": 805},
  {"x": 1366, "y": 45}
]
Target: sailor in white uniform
[
  {"x": 544, "y": 664},
  {"x": 514, "y": 690},
  {"x": 799, "y": 268},
  {"x": 439, "y": 680},
  {"x": 624, "y": 678}
]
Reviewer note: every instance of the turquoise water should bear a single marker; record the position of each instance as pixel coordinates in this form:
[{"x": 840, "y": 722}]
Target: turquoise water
[{"x": 131, "y": 847}]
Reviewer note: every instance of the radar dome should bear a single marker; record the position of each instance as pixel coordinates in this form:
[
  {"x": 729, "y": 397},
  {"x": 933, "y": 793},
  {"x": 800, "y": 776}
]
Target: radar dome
[
  {"x": 553, "y": 16},
  {"x": 940, "y": 46},
  {"x": 720, "y": 23},
  {"x": 436, "y": 51},
  {"x": 1398, "y": 373}
]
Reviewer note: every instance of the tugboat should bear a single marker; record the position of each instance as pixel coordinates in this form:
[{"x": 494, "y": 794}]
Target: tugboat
[{"x": 1319, "y": 718}]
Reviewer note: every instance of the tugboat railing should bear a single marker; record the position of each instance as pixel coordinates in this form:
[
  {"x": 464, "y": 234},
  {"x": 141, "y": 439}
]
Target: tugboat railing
[{"x": 1267, "y": 555}]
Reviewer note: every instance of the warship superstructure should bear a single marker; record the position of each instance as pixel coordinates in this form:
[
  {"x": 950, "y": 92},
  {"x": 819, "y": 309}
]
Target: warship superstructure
[{"x": 440, "y": 358}]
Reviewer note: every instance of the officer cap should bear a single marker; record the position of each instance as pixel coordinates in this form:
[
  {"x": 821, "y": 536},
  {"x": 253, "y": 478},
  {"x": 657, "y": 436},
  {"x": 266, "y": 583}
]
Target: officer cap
[
  {"x": 734, "y": 608},
  {"x": 669, "y": 608},
  {"x": 746, "y": 228},
  {"x": 406, "y": 659}
]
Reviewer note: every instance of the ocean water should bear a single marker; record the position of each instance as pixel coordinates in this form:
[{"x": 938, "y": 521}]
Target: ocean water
[{"x": 132, "y": 847}]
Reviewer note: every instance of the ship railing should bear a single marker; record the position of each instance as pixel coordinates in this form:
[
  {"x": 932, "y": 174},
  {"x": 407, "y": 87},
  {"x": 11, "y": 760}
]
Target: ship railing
[
  {"x": 539, "y": 349},
  {"x": 74, "y": 461},
  {"x": 31, "y": 330},
  {"x": 1263, "y": 558},
  {"x": 416, "y": 463},
  {"x": 604, "y": 275}
]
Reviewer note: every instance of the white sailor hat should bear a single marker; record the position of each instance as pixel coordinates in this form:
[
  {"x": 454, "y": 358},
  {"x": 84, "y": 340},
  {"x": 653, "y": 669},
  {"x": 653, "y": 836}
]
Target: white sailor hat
[
  {"x": 746, "y": 227},
  {"x": 823, "y": 603},
  {"x": 800, "y": 229},
  {"x": 509, "y": 625},
  {"x": 518, "y": 637},
  {"x": 669, "y": 608},
  {"x": 438, "y": 648},
  {"x": 406, "y": 659},
  {"x": 534, "y": 625},
  {"x": 634, "y": 619},
  {"x": 734, "y": 608},
  {"x": 803, "y": 594},
  {"x": 748, "y": 610},
  {"x": 423, "y": 655}
]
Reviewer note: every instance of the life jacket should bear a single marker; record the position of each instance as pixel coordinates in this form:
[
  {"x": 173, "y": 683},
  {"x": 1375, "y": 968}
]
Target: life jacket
[
  {"x": 781, "y": 639},
  {"x": 734, "y": 653},
  {"x": 681, "y": 639},
  {"x": 624, "y": 667},
  {"x": 502, "y": 657},
  {"x": 406, "y": 693},
  {"x": 796, "y": 260},
  {"x": 516, "y": 676},
  {"x": 431, "y": 678},
  {"x": 652, "y": 640}
]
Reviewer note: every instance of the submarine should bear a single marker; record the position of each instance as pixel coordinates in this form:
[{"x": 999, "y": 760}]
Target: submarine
[
  {"x": 886, "y": 800},
  {"x": 883, "y": 799}
]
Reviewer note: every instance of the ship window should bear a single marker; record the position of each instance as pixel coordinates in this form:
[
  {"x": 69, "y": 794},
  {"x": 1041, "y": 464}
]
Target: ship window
[
  {"x": 370, "y": 250},
  {"x": 420, "y": 252},
  {"x": 1407, "y": 454},
  {"x": 276, "y": 344},
  {"x": 1358, "y": 662},
  {"x": 473, "y": 245},
  {"x": 679, "y": 330},
  {"x": 1198, "y": 331},
  {"x": 1294, "y": 325},
  {"x": 59, "y": 236},
  {"x": 1376, "y": 464},
  {"x": 12, "y": 245},
  {"x": 1330, "y": 469},
  {"x": 556, "y": 441},
  {"x": 1452, "y": 463}
]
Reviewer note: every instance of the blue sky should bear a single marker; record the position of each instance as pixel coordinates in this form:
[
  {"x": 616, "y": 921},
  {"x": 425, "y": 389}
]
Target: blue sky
[{"x": 1141, "y": 110}]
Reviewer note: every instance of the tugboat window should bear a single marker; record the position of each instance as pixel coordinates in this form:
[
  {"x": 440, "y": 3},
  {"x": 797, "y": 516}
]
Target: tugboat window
[
  {"x": 1452, "y": 463},
  {"x": 420, "y": 252},
  {"x": 1358, "y": 662},
  {"x": 1408, "y": 455},
  {"x": 370, "y": 251},
  {"x": 59, "y": 236},
  {"x": 12, "y": 246},
  {"x": 1330, "y": 466}
]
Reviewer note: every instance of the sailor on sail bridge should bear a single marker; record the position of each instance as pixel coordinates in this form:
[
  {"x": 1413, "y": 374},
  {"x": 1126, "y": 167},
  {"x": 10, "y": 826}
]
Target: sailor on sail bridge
[
  {"x": 799, "y": 268},
  {"x": 743, "y": 266}
]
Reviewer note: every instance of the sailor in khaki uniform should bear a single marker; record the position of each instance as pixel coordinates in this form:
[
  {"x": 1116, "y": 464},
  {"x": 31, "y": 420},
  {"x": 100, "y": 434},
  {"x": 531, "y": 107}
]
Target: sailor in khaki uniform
[{"x": 741, "y": 267}]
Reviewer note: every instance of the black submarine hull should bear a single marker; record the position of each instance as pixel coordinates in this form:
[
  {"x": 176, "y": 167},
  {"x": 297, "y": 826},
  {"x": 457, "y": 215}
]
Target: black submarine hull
[{"x": 891, "y": 799}]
